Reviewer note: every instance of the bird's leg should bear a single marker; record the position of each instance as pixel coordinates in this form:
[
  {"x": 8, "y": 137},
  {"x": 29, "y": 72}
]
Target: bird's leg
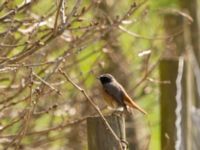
[{"x": 128, "y": 110}]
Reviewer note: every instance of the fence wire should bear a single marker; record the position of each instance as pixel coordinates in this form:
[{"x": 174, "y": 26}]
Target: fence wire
[{"x": 178, "y": 143}]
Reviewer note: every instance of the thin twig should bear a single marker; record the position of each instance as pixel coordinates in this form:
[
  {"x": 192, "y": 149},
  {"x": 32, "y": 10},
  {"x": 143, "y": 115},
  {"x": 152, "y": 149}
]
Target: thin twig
[
  {"x": 47, "y": 84},
  {"x": 57, "y": 16},
  {"x": 61, "y": 126}
]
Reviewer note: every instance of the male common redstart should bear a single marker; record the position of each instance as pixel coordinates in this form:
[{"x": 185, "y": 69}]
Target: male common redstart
[{"x": 115, "y": 95}]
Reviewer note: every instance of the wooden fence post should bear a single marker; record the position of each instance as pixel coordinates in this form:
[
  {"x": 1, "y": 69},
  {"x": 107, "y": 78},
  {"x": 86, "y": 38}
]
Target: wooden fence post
[
  {"x": 99, "y": 138},
  {"x": 168, "y": 104},
  {"x": 168, "y": 72}
]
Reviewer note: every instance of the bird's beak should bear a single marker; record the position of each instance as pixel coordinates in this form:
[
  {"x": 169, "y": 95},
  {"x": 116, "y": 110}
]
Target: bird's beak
[{"x": 97, "y": 78}]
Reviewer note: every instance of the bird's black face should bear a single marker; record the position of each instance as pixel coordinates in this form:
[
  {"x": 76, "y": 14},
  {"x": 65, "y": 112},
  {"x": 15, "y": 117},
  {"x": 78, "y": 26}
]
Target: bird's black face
[{"x": 106, "y": 78}]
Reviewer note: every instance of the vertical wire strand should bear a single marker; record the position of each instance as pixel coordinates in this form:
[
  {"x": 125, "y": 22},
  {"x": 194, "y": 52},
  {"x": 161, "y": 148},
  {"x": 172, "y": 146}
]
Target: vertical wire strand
[{"x": 178, "y": 142}]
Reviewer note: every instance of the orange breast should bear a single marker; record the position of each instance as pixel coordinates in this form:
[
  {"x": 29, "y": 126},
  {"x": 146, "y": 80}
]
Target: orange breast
[{"x": 109, "y": 99}]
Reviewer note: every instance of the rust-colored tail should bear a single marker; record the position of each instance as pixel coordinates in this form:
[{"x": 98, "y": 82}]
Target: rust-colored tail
[{"x": 128, "y": 101}]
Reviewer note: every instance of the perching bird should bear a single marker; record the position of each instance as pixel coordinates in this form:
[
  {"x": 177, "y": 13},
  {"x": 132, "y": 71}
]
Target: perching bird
[{"x": 115, "y": 95}]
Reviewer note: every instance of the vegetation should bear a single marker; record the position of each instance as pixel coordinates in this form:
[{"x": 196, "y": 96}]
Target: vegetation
[{"x": 52, "y": 52}]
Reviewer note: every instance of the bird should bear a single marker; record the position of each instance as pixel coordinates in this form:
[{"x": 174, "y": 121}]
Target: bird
[{"x": 115, "y": 95}]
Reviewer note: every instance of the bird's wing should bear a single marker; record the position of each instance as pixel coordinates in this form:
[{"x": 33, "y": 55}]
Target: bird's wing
[
  {"x": 114, "y": 90},
  {"x": 128, "y": 101}
]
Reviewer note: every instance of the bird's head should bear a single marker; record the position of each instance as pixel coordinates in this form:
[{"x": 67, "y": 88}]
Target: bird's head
[{"x": 106, "y": 78}]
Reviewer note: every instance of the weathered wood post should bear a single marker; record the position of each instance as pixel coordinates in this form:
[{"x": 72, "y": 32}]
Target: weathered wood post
[
  {"x": 174, "y": 48},
  {"x": 168, "y": 72},
  {"x": 168, "y": 104},
  {"x": 100, "y": 138}
]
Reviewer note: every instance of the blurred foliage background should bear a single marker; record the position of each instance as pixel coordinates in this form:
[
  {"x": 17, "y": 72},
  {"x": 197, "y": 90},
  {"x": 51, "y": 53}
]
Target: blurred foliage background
[{"x": 39, "y": 108}]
